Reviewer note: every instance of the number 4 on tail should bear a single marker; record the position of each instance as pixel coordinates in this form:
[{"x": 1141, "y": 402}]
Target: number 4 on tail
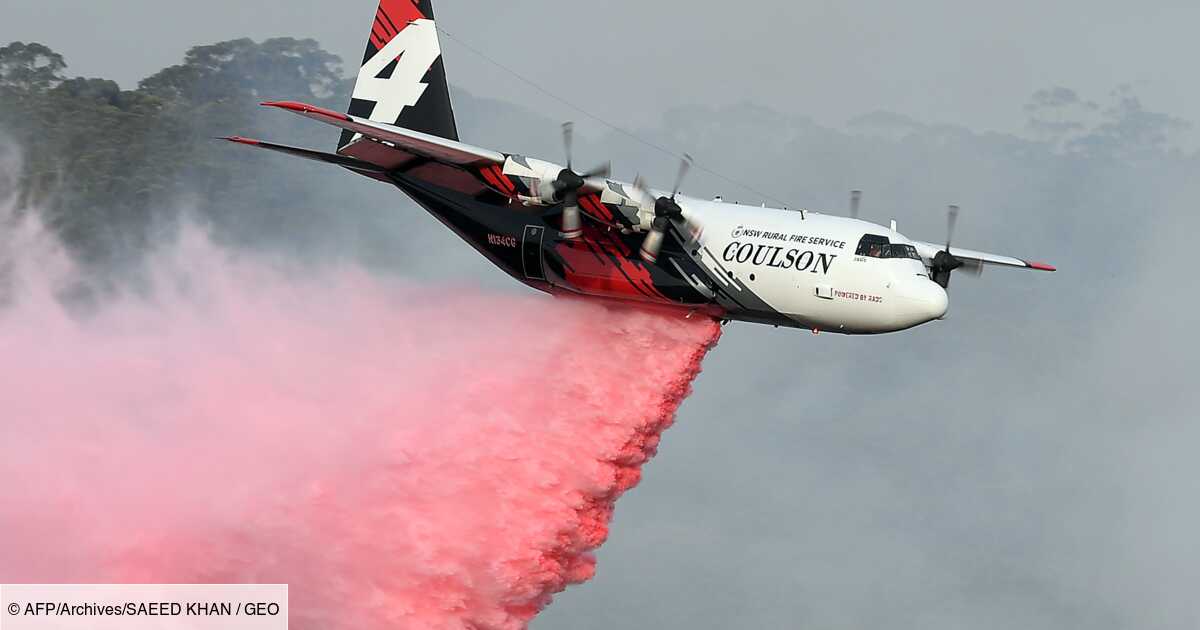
[{"x": 414, "y": 50}]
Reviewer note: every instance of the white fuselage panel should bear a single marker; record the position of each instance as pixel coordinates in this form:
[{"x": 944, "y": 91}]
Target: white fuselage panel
[{"x": 803, "y": 265}]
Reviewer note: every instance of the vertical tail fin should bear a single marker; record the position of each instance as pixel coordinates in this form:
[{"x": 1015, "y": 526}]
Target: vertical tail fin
[{"x": 402, "y": 80}]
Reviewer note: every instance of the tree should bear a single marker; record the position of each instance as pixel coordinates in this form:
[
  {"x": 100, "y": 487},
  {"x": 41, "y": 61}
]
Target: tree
[
  {"x": 244, "y": 69},
  {"x": 108, "y": 166},
  {"x": 30, "y": 67}
]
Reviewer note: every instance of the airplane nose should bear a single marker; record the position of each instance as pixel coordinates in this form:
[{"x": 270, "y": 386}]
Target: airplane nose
[
  {"x": 937, "y": 301},
  {"x": 925, "y": 301}
]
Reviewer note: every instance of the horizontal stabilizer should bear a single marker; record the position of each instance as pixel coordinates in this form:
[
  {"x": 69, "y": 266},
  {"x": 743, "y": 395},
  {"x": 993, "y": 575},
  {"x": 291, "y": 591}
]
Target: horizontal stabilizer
[
  {"x": 316, "y": 156},
  {"x": 423, "y": 144}
]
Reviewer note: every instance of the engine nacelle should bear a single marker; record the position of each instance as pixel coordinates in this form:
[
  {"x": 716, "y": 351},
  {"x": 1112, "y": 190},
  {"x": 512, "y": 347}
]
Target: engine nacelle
[
  {"x": 534, "y": 179},
  {"x": 533, "y": 184}
]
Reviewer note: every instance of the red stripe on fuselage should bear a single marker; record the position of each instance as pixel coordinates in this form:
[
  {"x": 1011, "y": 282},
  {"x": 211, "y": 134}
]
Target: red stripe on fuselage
[
  {"x": 593, "y": 271},
  {"x": 592, "y": 204},
  {"x": 597, "y": 264},
  {"x": 490, "y": 178},
  {"x": 619, "y": 247},
  {"x": 504, "y": 181}
]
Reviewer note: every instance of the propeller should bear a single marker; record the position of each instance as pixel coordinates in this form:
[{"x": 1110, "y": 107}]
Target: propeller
[
  {"x": 569, "y": 182},
  {"x": 684, "y": 166},
  {"x": 945, "y": 263},
  {"x": 855, "y": 202},
  {"x": 951, "y": 223},
  {"x": 666, "y": 212}
]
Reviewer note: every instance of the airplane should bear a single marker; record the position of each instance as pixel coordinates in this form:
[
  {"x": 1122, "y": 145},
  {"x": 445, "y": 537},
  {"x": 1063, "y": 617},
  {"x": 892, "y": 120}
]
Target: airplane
[{"x": 582, "y": 233}]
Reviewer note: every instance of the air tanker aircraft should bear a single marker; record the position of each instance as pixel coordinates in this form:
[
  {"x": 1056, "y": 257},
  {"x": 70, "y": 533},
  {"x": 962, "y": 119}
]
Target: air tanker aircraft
[{"x": 568, "y": 232}]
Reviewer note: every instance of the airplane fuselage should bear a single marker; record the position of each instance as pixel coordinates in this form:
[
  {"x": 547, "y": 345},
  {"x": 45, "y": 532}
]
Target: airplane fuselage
[
  {"x": 778, "y": 267},
  {"x": 805, "y": 266}
]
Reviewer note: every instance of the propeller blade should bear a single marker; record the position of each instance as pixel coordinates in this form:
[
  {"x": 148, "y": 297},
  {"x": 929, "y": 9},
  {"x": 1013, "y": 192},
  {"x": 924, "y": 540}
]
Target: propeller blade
[
  {"x": 568, "y": 131},
  {"x": 944, "y": 263},
  {"x": 652, "y": 245},
  {"x": 694, "y": 228},
  {"x": 666, "y": 207},
  {"x": 604, "y": 170},
  {"x": 569, "y": 182},
  {"x": 951, "y": 223},
  {"x": 972, "y": 268},
  {"x": 684, "y": 166},
  {"x": 855, "y": 202},
  {"x": 572, "y": 223},
  {"x": 667, "y": 212},
  {"x": 646, "y": 198}
]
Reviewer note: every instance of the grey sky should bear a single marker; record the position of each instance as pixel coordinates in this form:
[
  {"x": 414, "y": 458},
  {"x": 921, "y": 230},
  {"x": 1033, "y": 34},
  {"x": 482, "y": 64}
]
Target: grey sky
[{"x": 935, "y": 60}]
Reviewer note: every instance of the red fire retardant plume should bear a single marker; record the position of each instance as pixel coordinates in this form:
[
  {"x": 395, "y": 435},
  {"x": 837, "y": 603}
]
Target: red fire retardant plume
[{"x": 402, "y": 456}]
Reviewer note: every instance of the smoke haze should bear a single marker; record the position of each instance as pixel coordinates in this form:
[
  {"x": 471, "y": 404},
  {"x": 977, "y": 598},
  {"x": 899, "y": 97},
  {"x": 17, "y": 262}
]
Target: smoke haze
[{"x": 423, "y": 457}]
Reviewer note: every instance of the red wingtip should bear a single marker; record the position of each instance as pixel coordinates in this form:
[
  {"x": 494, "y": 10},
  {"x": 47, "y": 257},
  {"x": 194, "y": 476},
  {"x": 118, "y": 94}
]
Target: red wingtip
[
  {"x": 304, "y": 108},
  {"x": 240, "y": 140},
  {"x": 292, "y": 105},
  {"x": 1041, "y": 266}
]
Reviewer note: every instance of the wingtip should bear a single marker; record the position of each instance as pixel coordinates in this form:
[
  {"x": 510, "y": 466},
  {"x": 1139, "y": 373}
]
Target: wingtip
[
  {"x": 292, "y": 105},
  {"x": 1041, "y": 266},
  {"x": 240, "y": 140},
  {"x": 305, "y": 108}
]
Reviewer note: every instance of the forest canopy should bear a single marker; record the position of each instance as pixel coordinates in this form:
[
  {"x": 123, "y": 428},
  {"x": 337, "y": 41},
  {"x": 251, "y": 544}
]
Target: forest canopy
[{"x": 109, "y": 166}]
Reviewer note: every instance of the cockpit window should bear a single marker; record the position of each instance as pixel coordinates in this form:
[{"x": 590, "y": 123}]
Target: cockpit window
[
  {"x": 875, "y": 246},
  {"x": 898, "y": 250},
  {"x": 872, "y": 246}
]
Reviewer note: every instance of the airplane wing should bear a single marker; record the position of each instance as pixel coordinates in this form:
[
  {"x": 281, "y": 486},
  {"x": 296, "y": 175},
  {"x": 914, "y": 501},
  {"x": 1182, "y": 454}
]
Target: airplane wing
[
  {"x": 929, "y": 250},
  {"x": 414, "y": 142}
]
